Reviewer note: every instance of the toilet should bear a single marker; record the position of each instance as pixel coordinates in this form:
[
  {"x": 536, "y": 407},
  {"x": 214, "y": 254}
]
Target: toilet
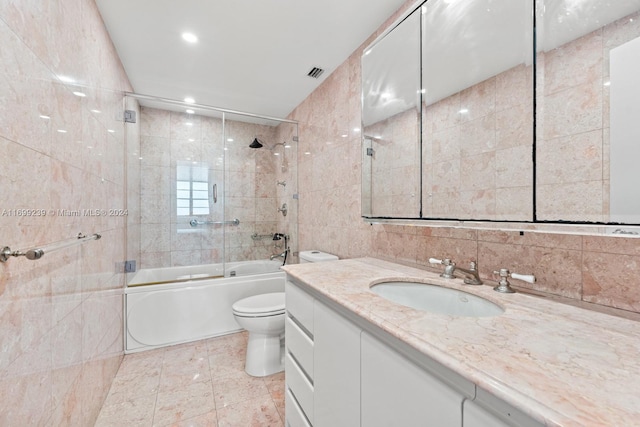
[
  {"x": 316, "y": 256},
  {"x": 263, "y": 317}
]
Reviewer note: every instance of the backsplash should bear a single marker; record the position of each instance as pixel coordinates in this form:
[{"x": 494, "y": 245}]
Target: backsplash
[{"x": 593, "y": 269}]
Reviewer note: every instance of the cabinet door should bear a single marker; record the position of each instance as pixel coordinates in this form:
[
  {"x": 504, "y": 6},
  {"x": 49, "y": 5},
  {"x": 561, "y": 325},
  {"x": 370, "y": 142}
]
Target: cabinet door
[
  {"x": 476, "y": 416},
  {"x": 489, "y": 411},
  {"x": 396, "y": 392},
  {"x": 336, "y": 369}
]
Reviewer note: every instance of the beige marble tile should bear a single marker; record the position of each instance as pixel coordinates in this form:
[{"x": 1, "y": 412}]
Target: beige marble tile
[
  {"x": 574, "y": 63},
  {"x": 184, "y": 403},
  {"x": 557, "y": 271},
  {"x": 258, "y": 412},
  {"x": 237, "y": 388},
  {"x": 478, "y": 135},
  {"x": 570, "y": 159},
  {"x": 179, "y": 375},
  {"x": 134, "y": 385},
  {"x": 571, "y": 111},
  {"x": 138, "y": 411},
  {"x": 576, "y": 201},
  {"x": 209, "y": 419},
  {"x": 479, "y": 100},
  {"x": 609, "y": 280},
  {"x": 227, "y": 363}
]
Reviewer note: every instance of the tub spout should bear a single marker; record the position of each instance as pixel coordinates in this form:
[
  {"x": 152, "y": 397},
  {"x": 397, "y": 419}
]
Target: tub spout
[{"x": 282, "y": 255}]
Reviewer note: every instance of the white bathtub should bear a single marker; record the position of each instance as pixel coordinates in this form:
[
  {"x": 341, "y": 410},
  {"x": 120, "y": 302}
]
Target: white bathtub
[{"x": 167, "y": 306}]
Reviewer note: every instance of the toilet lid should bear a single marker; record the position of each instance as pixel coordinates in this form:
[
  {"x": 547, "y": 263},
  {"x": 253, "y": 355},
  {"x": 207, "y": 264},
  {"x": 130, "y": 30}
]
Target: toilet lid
[{"x": 267, "y": 304}]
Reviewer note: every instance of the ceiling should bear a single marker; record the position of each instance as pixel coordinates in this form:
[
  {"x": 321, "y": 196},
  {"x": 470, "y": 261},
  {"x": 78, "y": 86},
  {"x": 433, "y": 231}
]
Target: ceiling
[{"x": 251, "y": 55}]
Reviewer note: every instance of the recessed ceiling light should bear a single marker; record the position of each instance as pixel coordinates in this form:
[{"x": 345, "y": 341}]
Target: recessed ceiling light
[
  {"x": 229, "y": 139},
  {"x": 96, "y": 111},
  {"x": 190, "y": 112},
  {"x": 463, "y": 110},
  {"x": 44, "y": 117},
  {"x": 111, "y": 131},
  {"x": 66, "y": 79},
  {"x": 80, "y": 94},
  {"x": 190, "y": 37},
  {"x": 62, "y": 131},
  {"x": 189, "y": 124},
  {"x": 189, "y": 100}
]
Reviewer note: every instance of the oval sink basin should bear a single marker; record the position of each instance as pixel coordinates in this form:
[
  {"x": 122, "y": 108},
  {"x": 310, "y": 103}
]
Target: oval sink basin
[{"x": 436, "y": 299}]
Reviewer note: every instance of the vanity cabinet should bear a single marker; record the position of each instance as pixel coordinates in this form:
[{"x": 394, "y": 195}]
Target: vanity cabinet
[
  {"x": 342, "y": 371},
  {"x": 396, "y": 392},
  {"x": 336, "y": 369}
]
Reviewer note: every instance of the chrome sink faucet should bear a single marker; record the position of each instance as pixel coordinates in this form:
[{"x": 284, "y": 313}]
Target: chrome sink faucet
[{"x": 471, "y": 276}]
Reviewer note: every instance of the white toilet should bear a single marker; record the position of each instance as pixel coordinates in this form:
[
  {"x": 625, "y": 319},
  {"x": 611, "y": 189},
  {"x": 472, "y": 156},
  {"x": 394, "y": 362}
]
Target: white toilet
[{"x": 263, "y": 317}]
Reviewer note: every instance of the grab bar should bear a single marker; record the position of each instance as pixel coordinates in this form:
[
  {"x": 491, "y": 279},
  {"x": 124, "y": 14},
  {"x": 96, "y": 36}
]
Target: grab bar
[
  {"x": 38, "y": 253},
  {"x": 194, "y": 222}
]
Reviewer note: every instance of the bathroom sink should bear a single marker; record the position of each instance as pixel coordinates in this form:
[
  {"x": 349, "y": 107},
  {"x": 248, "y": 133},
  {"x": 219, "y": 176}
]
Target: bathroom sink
[{"x": 436, "y": 299}]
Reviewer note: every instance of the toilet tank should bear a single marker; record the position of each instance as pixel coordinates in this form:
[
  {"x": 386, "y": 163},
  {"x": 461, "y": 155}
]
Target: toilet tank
[{"x": 316, "y": 256}]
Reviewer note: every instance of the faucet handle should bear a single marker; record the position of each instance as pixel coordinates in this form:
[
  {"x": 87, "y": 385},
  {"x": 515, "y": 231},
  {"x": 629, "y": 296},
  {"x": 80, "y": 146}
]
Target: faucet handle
[
  {"x": 445, "y": 261},
  {"x": 504, "y": 285},
  {"x": 449, "y": 267},
  {"x": 529, "y": 278}
]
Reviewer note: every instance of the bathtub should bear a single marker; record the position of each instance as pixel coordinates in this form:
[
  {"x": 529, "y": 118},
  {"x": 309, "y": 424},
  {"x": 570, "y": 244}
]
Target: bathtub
[{"x": 166, "y": 306}]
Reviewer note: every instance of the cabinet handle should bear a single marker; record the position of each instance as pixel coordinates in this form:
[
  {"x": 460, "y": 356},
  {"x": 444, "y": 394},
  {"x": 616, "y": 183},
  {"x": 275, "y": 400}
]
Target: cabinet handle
[{"x": 215, "y": 193}]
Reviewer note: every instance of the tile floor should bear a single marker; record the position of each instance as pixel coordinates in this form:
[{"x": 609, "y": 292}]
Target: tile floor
[{"x": 196, "y": 384}]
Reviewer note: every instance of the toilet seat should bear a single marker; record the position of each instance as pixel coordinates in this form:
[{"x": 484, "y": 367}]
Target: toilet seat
[{"x": 263, "y": 305}]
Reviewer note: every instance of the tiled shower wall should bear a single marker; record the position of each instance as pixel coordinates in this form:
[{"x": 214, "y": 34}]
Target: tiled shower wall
[
  {"x": 246, "y": 180},
  {"x": 62, "y": 155},
  {"x": 600, "y": 269}
]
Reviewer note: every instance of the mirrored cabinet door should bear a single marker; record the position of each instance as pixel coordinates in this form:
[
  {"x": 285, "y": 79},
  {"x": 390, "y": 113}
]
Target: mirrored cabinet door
[
  {"x": 477, "y": 134},
  {"x": 391, "y": 123},
  {"x": 588, "y": 127}
]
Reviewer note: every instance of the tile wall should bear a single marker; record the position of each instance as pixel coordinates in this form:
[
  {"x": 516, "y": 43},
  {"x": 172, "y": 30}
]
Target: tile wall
[
  {"x": 595, "y": 269},
  {"x": 62, "y": 155},
  {"x": 246, "y": 180}
]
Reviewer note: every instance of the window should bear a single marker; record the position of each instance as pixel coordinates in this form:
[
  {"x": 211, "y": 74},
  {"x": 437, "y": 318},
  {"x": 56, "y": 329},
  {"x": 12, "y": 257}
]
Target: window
[{"x": 192, "y": 189}]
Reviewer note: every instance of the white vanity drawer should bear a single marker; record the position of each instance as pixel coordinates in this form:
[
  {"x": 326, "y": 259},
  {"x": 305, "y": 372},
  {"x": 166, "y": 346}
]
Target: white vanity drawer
[
  {"x": 295, "y": 416},
  {"x": 300, "y": 346},
  {"x": 299, "y": 386},
  {"x": 299, "y": 304}
]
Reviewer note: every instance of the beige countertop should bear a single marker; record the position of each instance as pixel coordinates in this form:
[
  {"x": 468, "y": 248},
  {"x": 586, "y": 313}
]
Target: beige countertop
[{"x": 562, "y": 365}]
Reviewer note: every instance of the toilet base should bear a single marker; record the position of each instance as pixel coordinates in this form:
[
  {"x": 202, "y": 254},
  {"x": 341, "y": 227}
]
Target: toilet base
[{"x": 264, "y": 355}]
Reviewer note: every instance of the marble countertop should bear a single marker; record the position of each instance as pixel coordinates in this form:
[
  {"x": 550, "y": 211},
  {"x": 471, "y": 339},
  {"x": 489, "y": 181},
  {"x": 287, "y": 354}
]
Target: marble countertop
[{"x": 562, "y": 365}]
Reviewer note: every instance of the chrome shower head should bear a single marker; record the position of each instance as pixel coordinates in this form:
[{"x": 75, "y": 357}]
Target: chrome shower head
[{"x": 255, "y": 144}]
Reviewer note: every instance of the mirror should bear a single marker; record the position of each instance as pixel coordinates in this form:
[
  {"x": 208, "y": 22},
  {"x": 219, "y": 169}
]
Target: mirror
[
  {"x": 486, "y": 153},
  {"x": 587, "y": 111},
  {"x": 477, "y": 132},
  {"x": 391, "y": 123}
]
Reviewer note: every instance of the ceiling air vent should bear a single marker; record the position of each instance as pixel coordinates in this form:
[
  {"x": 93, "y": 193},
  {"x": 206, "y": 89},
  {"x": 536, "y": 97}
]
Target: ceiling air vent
[{"x": 315, "y": 72}]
